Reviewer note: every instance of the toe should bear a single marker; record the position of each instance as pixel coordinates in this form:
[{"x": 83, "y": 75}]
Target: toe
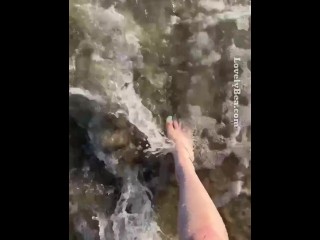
[
  {"x": 176, "y": 124},
  {"x": 169, "y": 124}
]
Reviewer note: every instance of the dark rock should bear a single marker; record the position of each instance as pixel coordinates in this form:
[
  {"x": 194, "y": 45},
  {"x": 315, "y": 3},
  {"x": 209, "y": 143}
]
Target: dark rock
[
  {"x": 106, "y": 3},
  {"x": 226, "y": 30},
  {"x": 81, "y": 109},
  {"x": 230, "y": 165},
  {"x": 249, "y": 133},
  {"x": 226, "y": 130},
  {"x": 77, "y": 141},
  {"x": 243, "y": 100},
  {"x": 242, "y": 39},
  {"x": 217, "y": 144},
  {"x": 224, "y": 69},
  {"x": 166, "y": 171}
]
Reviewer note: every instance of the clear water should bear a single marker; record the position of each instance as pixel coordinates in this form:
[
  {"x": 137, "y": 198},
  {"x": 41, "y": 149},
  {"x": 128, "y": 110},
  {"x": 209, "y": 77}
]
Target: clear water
[{"x": 131, "y": 64}]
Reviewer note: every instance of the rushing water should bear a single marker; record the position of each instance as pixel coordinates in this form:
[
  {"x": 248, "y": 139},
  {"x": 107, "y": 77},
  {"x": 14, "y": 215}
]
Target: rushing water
[{"x": 131, "y": 64}]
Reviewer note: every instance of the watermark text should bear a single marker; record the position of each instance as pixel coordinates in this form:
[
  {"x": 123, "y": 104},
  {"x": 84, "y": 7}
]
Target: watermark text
[{"x": 236, "y": 92}]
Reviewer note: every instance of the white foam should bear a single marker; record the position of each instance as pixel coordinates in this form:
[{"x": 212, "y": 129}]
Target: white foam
[
  {"x": 133, "y": 217},
  {"x": 86, "y": 93},
  {"x": 210, "y": 5},
  {"x": 103, "y": 223}
]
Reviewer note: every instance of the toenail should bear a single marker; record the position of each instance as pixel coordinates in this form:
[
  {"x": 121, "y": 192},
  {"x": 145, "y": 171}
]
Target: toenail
[{"x": 169, "y": 119}]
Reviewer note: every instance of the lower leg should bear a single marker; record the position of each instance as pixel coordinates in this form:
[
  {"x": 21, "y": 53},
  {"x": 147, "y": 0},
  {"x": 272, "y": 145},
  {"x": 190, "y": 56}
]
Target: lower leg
[{"x": 198, "y": 217}]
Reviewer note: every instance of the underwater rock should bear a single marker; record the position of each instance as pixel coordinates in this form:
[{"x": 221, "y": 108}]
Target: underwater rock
[
  {"x": 128, "y": 155},
  {"x": 237, "y": 216},
  {"x": 120, "y": 121},
  {"x": 77, "y": 140},
  {"x": 115, "y": 140},
  {"x": 242, "y": 39},
  {"x": 167, "y": 208},
  {"x": 81, "y": 109},
  {"x": 166, "y": 172}
]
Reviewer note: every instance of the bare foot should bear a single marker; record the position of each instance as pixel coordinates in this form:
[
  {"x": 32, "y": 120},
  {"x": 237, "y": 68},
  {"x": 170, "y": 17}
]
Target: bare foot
[{"x": 182, "y": 137}]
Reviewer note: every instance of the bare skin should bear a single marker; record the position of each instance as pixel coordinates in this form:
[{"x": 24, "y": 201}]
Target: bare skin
[{"x": 198, "y": 217}]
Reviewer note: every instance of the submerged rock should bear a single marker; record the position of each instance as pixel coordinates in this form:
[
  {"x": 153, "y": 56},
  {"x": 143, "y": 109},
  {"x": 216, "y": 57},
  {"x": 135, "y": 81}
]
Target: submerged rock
[
  {"x": 237, "y": 216},
  {"x": 115, "y": 140}
]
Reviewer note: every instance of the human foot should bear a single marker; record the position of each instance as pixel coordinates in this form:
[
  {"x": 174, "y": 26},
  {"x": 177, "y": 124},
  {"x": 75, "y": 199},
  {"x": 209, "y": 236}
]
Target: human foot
[{"x": 182, "y": 137}]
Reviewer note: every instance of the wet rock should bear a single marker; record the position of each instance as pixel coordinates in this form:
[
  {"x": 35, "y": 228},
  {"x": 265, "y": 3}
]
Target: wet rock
[
  {"x": 207, "y": 158},
  {"x": 120, "y": 121},
  {"x": 81, "y": 109},
  {"x": 89, "y": 195},
  {"x": 166, "y": 172},
  {"x": 243, "y": 99},
  {"x": 73, "y": 234},
  {"x": 242, "y": 39},
  {"x": 230, "y": 165},
  {"x": 225, "y": 70},
  {"x": 217, "y": 143},
  {"x": 152, "y": 85},
  {"x": 130, "y": 155},
  {"x": 77, "y": 141},
  {"x": 218, "y": 179},
  {"x": 225, "y": 130},
  {"x": 167, "y": 209},
  {"x": 228, "y": 29},
  {"x": 106, "y": 3},
  {"x": 237, "y": 216},
  {"x": 248, "y": 133},
  {"x": 115, "y": 140}
]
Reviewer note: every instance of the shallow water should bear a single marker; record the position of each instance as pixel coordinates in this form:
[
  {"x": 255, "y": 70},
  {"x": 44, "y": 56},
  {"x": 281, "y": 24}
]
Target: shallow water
[{"x": 131, "y": 64}]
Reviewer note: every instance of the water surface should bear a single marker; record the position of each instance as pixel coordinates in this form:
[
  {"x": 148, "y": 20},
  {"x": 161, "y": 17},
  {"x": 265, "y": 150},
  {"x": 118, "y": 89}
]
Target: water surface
[{"x": 131, "y": 64}]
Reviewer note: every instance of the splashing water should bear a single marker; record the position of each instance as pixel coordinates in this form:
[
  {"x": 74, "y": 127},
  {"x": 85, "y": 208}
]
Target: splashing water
[
  {"x": 116, "y": 69},
  {"x": 133, "y": 217}
]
